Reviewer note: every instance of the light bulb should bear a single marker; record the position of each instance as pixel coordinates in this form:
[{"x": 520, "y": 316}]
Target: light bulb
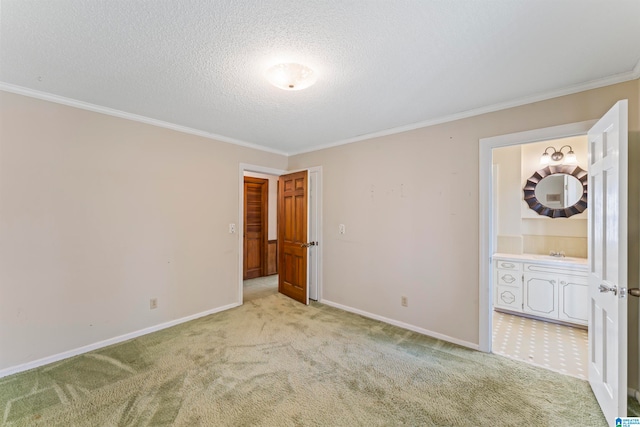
[
  {"x": 570, "y": 158},
  {"x": 545, "y": 159}
]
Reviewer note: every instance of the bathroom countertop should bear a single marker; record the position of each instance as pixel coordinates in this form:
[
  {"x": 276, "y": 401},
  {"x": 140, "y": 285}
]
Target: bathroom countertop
[{"x": 570, "y": 262}]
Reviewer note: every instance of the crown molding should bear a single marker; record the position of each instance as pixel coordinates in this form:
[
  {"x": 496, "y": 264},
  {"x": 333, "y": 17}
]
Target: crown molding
[
  {"x": 636, "y": 70},
  {"x": 594, "y": 84},
  {"x": 20, "y": 90}
]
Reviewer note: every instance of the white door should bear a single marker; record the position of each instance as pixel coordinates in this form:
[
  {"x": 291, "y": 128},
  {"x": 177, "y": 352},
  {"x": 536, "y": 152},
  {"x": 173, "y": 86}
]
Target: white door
[
  {"x": 608, "y": 261},
  {"x": 312, "y": 276}
]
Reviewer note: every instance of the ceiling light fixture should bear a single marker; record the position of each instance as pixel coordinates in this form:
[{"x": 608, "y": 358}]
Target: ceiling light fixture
[
  {"x": 558, "y": 155},
  {"x": 291, "y": 76}
]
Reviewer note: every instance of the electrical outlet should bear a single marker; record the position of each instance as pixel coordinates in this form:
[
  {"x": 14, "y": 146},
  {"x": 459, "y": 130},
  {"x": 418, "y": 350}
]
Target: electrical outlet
[
  {"x": 342, "y": 229},
  {"x": 153, "y": 303},
  {"x": 232, "y": 228},
  {"x": 403, "y": 301}
]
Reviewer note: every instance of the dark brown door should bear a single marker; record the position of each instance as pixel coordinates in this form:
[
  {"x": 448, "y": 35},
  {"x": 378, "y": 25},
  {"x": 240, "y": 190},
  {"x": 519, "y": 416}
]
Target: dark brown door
[
  {"x": 292, "y": 236},
  {"x": 255, "y": 227}
]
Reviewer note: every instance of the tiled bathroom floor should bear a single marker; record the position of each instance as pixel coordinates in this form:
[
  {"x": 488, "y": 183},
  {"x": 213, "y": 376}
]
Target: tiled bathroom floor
[{"x": 556, "y": 347}]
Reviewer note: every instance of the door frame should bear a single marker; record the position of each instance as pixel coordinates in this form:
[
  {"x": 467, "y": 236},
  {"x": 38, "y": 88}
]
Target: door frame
[
  {"x": 487, "y": 226},
  {"x": 317, "y": 171}
]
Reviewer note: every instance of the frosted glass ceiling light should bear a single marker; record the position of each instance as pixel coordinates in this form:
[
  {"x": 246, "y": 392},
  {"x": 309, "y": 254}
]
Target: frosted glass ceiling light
[{"x": 291, "y": 76}]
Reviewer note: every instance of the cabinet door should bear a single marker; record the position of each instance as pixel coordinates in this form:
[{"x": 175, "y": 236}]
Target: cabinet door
[
  {"x": 540, "y": 295},
  {"x": 573, "y": 293}
]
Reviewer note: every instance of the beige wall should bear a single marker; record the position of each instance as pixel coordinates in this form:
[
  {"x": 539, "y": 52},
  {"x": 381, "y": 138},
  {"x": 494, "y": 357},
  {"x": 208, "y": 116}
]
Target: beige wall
[
  {"x": 508, "y": 194},
  {"x": 98, "y": 215},
  {"x": 410, "y": 205}
]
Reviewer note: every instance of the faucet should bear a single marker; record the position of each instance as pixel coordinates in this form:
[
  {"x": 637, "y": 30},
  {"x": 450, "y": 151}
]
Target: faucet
[{"x": 557, "y": 254}]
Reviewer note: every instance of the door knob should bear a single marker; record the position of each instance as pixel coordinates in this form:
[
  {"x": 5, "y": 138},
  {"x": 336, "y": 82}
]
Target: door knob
[
  {"x": 604, "y": 288},
  {"x": 634, "y": 292},
  {"x": 306, "y": 245}
]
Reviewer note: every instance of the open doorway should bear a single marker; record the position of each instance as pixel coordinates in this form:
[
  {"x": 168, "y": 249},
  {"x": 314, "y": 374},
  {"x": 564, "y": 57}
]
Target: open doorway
[
  {"x": 540, "y": 233},
  {"x": 259, "y": 233},
  {"x": 612, "y": 320},
  {"x": 265, "y": 284},
  {"x": 488, "y": 240}
]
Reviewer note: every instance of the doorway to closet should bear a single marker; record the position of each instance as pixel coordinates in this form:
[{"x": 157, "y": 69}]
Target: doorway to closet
[
  {"x": 311, "y": 222},
  {"x": 260, "y": 225},
  {"x": 259, "y": 235}
]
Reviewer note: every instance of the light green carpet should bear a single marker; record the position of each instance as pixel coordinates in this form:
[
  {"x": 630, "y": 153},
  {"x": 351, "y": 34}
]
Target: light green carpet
[{"x": 275, "y": 362}]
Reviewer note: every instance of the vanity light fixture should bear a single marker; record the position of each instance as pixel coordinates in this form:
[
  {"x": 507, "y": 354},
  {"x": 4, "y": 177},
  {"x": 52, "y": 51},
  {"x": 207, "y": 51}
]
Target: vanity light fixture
[
  {"x": 558, "y": 155},
  {"x": 291, "y": 76}
]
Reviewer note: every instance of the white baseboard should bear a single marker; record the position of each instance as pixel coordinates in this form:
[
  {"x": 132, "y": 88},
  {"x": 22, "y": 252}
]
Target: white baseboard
[
  {"x": 403, "y": 325},
  {"x": 115, "y": 340}
]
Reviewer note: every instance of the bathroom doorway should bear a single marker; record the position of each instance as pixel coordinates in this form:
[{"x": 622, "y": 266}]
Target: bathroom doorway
[{"x": 539, "y": 276}]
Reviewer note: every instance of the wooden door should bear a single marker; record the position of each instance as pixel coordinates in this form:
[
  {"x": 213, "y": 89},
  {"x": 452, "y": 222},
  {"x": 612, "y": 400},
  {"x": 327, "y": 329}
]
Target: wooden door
[
  {"x": 256, "y": 193},
  {"x": 607, "y": 279},
  {"x": 292, "y": 236}
]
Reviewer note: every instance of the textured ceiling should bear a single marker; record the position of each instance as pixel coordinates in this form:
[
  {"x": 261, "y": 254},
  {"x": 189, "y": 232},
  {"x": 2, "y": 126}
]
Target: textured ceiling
[{"x": 382, "y": 65}]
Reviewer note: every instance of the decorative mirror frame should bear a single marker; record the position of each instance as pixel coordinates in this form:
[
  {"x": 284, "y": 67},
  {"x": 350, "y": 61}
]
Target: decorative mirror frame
[{"x": 539, "y": 175}]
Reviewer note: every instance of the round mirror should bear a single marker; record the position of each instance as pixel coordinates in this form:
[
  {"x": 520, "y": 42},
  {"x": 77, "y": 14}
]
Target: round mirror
[{"x": 557, "y": 191}]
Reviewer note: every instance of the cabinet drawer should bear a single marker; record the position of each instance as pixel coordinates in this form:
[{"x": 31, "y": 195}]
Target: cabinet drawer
[
  {"x": 508, "y": 265},
  {"x": 509, "y": 297},
  {"x": 508, "y": 278},
  {"x": 552, "y": 269}
]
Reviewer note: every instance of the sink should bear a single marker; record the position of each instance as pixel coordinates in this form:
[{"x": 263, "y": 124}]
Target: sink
[
  {"x": 542, "y": 258},
  {"x": 556, "y": 258}
]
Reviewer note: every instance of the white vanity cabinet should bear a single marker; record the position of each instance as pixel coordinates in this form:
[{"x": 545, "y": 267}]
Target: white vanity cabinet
[{"x": 546, "y": 288}]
